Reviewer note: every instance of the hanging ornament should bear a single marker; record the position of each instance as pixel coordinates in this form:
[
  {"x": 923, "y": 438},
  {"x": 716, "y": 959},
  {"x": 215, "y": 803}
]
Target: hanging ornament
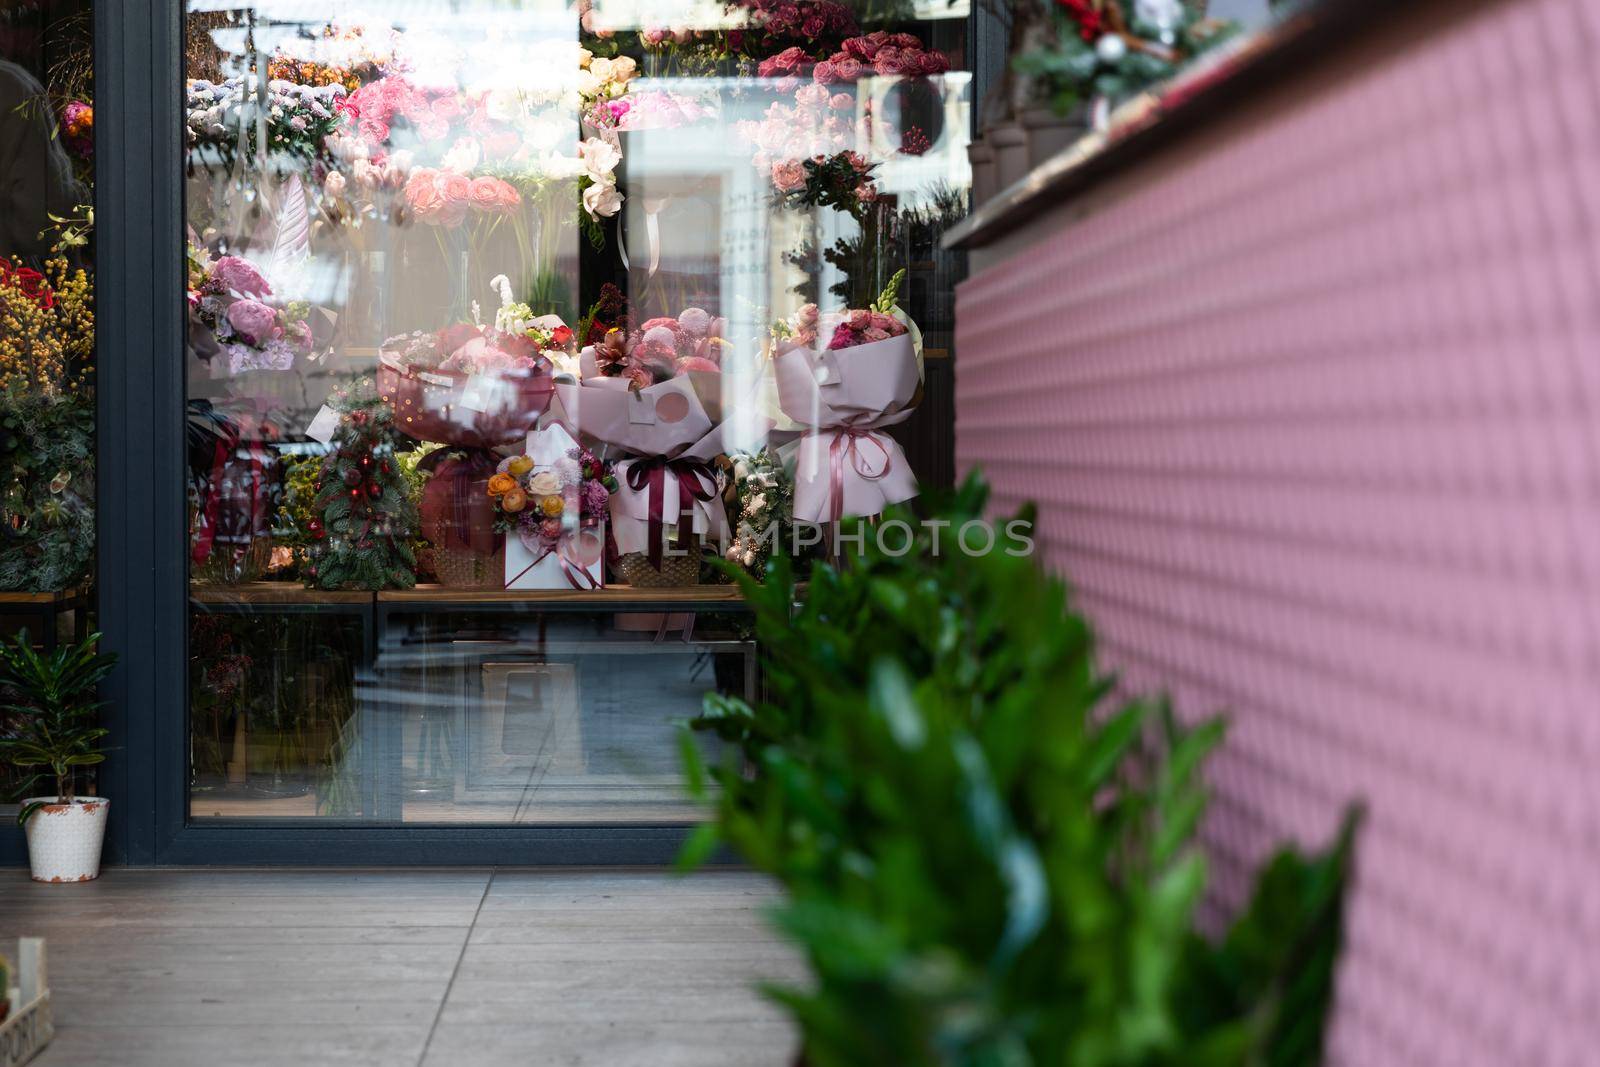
[
  {"x": 375, "y": 491},
  {"x": 352, "y": 477}
]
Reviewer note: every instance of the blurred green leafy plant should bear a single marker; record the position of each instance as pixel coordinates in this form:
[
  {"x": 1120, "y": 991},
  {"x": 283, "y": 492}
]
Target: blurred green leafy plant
[{"x": 988, "y": 861}]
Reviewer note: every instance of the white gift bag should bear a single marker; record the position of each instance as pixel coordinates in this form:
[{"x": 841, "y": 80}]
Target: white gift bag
[{"x": 579, "y": 562}]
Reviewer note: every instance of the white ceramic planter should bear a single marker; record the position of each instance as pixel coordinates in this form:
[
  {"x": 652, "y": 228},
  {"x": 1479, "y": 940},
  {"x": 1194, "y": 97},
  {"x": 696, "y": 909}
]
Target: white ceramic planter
[{"x": 64, "y": 839}]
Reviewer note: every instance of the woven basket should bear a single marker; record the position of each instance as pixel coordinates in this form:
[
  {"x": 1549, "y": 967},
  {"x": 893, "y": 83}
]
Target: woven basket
[
  {"x": 462, "y": 568},
  {"x": 681, "y": 567}
]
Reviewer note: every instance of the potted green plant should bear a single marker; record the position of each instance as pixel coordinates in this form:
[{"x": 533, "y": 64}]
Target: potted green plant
[{"x": 55, "y": 730}]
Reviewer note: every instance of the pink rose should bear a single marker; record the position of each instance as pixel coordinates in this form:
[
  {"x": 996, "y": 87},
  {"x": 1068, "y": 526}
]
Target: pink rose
[
  {"x": 788, "y": 175},
  {"x": 373, "y": 130},
  {"x": 253, "y": 321},
  {"x": 905, "y": 40},
  {"x": 859, "y": 320},
  {"x": 888, "y": 62},
  {"x": 445, "y": 107},
  {"x": 826, "y": 73},
  {"x": 842, "y": 102}
]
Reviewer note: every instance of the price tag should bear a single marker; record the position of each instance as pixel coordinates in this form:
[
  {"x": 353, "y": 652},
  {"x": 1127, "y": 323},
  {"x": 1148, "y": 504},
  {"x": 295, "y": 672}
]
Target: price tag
[
  {"x": 641, "y": 411},
  {"x": 324, "y": 426},
  {"x": 476, "y": 393},
  {"x": 827, "y": 368}
]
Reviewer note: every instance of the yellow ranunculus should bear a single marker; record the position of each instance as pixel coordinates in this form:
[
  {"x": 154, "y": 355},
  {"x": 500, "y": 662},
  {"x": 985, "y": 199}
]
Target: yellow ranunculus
[
  {"x": 552, "y": 507},
  {"x": 520, "y": 465}
]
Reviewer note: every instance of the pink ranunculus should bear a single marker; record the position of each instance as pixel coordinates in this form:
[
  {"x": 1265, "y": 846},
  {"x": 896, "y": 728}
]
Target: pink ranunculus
[
  {"x": 230, "y": 274},
  {"x": 484, "y": 192},
  {"x": 253, "y": 321},
  {"x": 510, "y": 199},
  {"x": 788, "y": 175},
  {"x": 842, "y": 102},
  {"x": 454, "y": 188},
  {"x": 423, "y": 196}
]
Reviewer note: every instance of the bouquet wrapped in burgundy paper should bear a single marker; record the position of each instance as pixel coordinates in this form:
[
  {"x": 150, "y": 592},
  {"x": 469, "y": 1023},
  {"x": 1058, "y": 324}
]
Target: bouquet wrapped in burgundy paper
[
  {"x": 470, "y": 385},
  {"x": 846, "y": 377},
  {"x": 655, "y": 394}
]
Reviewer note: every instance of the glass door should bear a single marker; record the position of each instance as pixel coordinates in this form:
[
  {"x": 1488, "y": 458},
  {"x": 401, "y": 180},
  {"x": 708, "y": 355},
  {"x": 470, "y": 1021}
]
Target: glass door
[{"x": 487, "y": 309}]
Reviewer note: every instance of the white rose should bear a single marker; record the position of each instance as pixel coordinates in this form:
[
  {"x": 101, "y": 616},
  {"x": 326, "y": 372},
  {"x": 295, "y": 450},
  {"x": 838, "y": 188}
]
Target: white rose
[
  {"x": 600, "y": 158},
  {"x": 503, "y": 105},
  {"x": 602, "y": 199},
  {"x": 623, "y": 68},
  {"x": 601, "y": 69},
  {"x": 588, "y": 84},
  {"x": 463, "y": 155}
]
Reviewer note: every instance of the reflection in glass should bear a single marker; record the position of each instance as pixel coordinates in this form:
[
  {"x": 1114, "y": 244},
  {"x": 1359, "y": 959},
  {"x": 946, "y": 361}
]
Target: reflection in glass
[{"x": 487, "y": 305}]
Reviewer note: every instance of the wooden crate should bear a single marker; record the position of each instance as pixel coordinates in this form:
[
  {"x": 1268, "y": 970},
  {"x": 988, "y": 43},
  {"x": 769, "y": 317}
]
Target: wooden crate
[{"x": 30, "y": 1025}]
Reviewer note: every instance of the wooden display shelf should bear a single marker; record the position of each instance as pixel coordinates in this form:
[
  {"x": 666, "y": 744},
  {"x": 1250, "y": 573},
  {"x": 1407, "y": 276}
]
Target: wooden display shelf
[
  {"x": 56, "y": 598},
  {"x": 272, "y": 593},
  {"x": 601, "y": 598}
]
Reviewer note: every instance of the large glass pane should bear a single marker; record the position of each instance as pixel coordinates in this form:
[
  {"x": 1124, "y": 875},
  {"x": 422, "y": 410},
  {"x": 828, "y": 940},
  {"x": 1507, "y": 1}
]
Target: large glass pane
[
  {"x": 489, "y": 305},
  {"x": 47, "y": 342}
]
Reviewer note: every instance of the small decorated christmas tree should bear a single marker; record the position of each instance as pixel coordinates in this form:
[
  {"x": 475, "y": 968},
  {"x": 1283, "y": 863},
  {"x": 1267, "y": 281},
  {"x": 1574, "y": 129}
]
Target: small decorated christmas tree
[{"x": 364, "y": 518}]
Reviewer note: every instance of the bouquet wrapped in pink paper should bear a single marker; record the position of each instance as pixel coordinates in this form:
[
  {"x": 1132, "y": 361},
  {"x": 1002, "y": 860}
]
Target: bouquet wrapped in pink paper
[
  {"x": 847, "y": 377},
  {"x": 655, "y": 395},
  {"x": 469, "y": 385}
]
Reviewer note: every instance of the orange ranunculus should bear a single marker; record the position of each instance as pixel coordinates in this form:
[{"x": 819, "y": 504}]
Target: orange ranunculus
[
  {"x": 514, "y": 501},
  {"x": 501, "y": 484}
]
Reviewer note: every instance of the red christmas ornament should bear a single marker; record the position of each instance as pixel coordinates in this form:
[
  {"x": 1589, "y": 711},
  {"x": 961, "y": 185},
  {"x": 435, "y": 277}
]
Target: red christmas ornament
[
  {"x": 375, "y": 491},
  {"x": 352, "y": 478}
]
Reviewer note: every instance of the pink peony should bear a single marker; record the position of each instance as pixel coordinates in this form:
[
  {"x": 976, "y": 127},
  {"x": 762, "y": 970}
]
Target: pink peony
[
  {"x": 230, "y": 274},
  {"x": 253, "y": 321}
]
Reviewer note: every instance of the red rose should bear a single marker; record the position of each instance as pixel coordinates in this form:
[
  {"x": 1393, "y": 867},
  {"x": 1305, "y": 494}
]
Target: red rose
[{"x": 560, "y": 335}]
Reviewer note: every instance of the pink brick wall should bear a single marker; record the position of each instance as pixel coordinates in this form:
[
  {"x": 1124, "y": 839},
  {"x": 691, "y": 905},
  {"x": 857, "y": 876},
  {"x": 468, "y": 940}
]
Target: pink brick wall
[{"x": 1312, "y": 411}]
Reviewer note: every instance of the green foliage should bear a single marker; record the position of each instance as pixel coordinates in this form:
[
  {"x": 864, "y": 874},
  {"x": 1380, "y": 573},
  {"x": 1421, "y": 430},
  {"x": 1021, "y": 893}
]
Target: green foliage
[
  {"x": 1073, "y": 71},
  {"x": 368, "y": 518},
  {"x": 54, "y": 712},
  {"x": 985, "y": 864},
  {"x": 47, "y": 529}
]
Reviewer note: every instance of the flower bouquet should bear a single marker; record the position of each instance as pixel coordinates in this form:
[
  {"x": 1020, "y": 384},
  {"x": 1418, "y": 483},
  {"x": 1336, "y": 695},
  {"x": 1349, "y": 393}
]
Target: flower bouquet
[
  {"x": 469, "y": 385},
  {"x": 846, "y": 377},
  {"x": 232, "y": 318},
  {"x": 655, "y": 393},
  {"x": 551, "y": 503}
]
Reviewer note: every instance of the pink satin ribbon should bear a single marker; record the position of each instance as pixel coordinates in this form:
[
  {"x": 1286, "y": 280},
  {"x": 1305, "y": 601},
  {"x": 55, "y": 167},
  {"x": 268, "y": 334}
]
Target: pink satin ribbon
[{"x": 847, "y": 447}]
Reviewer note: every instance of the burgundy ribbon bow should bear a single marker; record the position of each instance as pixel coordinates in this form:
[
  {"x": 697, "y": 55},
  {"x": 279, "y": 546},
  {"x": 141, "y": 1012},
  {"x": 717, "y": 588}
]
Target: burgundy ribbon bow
[
  {"x": 650, "y": 473},
  {"x": 847, "y": 447}
]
